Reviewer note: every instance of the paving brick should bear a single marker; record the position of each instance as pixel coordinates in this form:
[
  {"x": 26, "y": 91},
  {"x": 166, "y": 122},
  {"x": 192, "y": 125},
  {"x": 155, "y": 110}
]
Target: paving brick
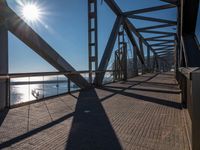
[{"x": 143, "y": 113}]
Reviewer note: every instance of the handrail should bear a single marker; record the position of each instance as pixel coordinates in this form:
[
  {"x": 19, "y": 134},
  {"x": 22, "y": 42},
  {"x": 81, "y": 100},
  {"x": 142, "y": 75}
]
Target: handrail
[
  {"x": 20, "y": 75},
  {"x": 187, "y": 71}
]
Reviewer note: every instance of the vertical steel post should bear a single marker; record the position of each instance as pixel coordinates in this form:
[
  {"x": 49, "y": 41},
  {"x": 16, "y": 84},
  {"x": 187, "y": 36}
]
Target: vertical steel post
[
  {"x": 148, "y": 58},
  {"x": 125, "y": 61},
  {"x": 135, "y": 61},
  {"x": 195, "y": 76},
  {"x": 3, "y": 65},
  {"x": 142, "y": 53},
  {"x": 92, "y": 37},
  {"x": 69, "y": 85}
]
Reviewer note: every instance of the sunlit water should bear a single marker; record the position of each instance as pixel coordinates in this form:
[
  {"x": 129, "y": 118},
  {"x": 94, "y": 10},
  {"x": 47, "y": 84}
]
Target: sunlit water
[
  {"x": 34, "y": 88},
  {"x": 26, "y": 89}
]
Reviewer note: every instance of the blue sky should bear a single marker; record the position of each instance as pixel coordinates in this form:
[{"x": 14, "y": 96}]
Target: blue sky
[
  {"x": 198, "y": 25},
  {"x": 64, "y": 26}
]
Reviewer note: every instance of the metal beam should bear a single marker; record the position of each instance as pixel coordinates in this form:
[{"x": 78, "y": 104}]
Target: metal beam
[
  {"x": 3, "y": 65},
  {"x": 157, "y": 32},
  {"x": 159, "y": 37},
  {"x": 163, "y": 49},
  {"x": 26, "y": 34},
  {"x": 161, "y": 40},
  {"x": 154, "y": 45},
  {"x": 132, "y": 39},
  {"x": 148, "y": 58},
  {"x": 114, "y": 7},
  {"x": 155, "y": 27},
  {"x": 153, "y": 19},
  {"x": 162, "y": 43},
  {"x": 108, "y": 51},
  {"x": 175, "y": 2},
  {"x": 118, "y": 11},
  {"x": 150, "y": 9}
]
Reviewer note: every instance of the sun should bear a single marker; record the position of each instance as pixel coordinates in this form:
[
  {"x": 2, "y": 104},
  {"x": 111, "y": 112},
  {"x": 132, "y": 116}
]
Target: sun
[{"x": 31, "y": 12}]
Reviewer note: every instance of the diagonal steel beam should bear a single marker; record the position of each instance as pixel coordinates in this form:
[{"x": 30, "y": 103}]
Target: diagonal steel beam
[
  {"x": 165, "y": 51},
  {"x": 26, "y": 34},
  {"x": 150, "y": 9},
  {"x": 157, "y": 32},
  {"x": 155, "y": 27},
  {"x": 159, "y": 37},
  {"x": 114, "y": 7},
  {"x": 158, "y": 49},
  {"x": 161, "y": 40},
  {"x": 175, "y": 2},
  {"x": 133, "y": 42},
  {"x": 162, "y": 43},
  {"x": 108, "y": 51},
  {"x": 153, "y": 19},
  {"x": 133, "y": 29}
]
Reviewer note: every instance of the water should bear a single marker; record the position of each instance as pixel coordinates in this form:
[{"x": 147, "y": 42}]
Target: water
[{"x": 33, "y": 88}]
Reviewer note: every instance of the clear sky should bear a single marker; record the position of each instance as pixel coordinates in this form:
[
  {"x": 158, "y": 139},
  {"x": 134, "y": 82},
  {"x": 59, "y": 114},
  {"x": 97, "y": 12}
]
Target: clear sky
[
  {"x": 63, "y": 25},
  {"x": 198, "y": 25}
]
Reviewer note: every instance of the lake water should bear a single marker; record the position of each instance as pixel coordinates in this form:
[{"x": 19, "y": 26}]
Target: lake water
[{"x": 34, "y": 88}]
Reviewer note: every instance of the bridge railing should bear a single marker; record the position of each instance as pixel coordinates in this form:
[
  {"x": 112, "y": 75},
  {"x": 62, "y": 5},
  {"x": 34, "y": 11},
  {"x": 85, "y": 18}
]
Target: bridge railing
[
  {"x": 189, "y": 80},
  {"x": 24, "y": 88}
]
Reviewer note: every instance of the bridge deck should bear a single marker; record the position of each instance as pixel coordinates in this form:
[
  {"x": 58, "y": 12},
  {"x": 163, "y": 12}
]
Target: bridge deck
[{"x": 141, "y": 113}]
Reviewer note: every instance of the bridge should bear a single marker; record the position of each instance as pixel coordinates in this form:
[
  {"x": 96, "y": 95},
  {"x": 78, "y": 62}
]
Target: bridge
[{"x": 147, "y": 101}]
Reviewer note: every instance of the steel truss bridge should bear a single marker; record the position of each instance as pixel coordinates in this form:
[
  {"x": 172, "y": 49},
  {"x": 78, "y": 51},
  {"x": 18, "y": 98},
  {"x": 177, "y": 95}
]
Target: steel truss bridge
[{"x": 178, "y": 50}]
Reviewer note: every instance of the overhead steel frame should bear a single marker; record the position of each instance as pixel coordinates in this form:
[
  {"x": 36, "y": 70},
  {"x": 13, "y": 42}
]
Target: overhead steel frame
[{"x": 123, "y": 18}]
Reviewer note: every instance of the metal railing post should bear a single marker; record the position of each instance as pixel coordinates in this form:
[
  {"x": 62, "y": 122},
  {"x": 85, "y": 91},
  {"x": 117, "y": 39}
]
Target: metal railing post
[
  {"x": 8, "y": 93},
  {"x": 69, "y": 85}
]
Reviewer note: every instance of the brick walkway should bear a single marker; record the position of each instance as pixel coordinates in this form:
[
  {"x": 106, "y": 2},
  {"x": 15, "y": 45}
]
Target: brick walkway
[{"x": 143, "y": 113}]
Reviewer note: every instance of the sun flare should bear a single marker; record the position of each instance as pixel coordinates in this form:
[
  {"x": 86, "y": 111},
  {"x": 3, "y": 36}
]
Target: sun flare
[{"x": 31, "y": 12}]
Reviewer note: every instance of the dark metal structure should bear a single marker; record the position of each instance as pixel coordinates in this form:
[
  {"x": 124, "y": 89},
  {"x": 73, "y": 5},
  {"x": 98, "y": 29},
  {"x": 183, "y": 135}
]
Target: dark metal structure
[
  {"x": 92, "y": 37},
  {"x": 165, "y": 50}
]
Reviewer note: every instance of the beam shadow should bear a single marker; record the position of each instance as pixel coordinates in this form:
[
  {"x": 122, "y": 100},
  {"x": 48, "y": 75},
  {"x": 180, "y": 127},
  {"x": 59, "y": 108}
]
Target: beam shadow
[
  {"x": 155, "y": 83},
  {"x": 144, "y": 98},
  {"x": 34, "y": 131},
  {"x": 148, "y": 90},
  {"x": 3, "y": 115},
  {"x": 91, "y": 128},
  {"x": 49, "y": 125}
]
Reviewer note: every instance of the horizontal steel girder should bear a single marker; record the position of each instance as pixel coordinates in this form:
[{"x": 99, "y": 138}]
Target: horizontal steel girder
[
  {"x": 150, "y": 9},
  {"x": 155, "y": 27},
  {"x": 26, "y": 34},
  {"x": 153, "y": 19}
]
